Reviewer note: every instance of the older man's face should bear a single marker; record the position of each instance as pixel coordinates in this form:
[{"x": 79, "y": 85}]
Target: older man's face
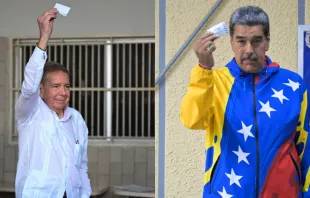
[
  {"x": 55, "y": 91},
  {"x": 249, "y": 45}
]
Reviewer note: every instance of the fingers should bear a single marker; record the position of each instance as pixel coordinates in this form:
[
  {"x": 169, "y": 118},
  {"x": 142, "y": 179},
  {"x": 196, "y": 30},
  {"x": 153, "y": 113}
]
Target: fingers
[
  {"x": 50, "y": 11},
  {"x": 209, "y": 36},
  {"x": 45, "y": 22},
  {"x": 205, "y": 39},
  {"x": 208, "y": 46},
  {"x": 205, "y": 46},
  {"x": 48, "y": 15},
  {"x": 211, "y": 48}
]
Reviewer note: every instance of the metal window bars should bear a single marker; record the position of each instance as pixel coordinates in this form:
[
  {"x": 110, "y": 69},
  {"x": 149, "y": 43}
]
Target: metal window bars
[{"x": 112, "y": 82}]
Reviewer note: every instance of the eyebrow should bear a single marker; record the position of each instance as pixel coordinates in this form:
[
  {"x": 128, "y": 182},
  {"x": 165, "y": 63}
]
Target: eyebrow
[
  {"x": 254, "y": 37},
  {"x": 60, "y": 84}
]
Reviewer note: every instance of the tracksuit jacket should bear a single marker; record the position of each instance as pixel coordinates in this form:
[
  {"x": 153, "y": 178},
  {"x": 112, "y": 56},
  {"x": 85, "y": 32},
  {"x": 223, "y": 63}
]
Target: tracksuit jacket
[{"x": 257, "y": 130}]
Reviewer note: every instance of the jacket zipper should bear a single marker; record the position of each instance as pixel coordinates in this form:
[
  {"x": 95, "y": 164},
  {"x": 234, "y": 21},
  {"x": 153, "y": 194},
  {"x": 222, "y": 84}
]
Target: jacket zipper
[
  {"x": 212, "y": 174},
  {"x": 256, "y": 135}
]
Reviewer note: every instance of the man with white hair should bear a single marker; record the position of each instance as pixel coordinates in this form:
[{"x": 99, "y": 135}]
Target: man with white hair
[{"x": 52, "y": 137}]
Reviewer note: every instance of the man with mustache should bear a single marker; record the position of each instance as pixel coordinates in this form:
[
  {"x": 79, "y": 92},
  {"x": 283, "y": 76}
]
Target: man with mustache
[
  {"x": 255, "y": 114},
  {"x": 52, "y": 137}
]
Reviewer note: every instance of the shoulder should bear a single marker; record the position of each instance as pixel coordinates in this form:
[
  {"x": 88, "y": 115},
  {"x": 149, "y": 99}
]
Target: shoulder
[
  {"x": 76, "y": 115},
  {"x": 74, "y": 112},
  {"x": 289, "y": 76},
  {"x": 78, "y": 119},
  {"x": 292, "y": 79}
]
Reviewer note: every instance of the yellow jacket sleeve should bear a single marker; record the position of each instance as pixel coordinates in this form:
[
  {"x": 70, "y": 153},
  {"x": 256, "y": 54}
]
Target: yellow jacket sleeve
[{"x": 196, "y": 107}]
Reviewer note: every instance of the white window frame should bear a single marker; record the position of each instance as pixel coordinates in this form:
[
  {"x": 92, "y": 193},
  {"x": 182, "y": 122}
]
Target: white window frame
[{"x": 301, "y": 30}]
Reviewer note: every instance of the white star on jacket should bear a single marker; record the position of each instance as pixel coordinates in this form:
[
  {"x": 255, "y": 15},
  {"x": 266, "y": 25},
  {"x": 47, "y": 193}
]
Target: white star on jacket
[
  {"x": 242, "y": 155},
  {"x": 224, "y": 193},
  {"x": 233, "y": 178},
  {"x": 279, "y": 95},
  {"x": 246, "y": 131},
  {"x": 266, "y": 108},
  {"x": 292, "y": 84}
]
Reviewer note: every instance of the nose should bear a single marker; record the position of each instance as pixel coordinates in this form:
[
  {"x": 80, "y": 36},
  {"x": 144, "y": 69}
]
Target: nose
[
  {"x": 62, "y": 91},
  {"x": 249, "y": 49}
]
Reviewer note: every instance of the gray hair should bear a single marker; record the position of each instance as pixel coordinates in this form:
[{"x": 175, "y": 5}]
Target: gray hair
[{"x": 250, "y": 16}]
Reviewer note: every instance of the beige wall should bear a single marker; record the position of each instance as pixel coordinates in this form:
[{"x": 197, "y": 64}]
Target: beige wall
[{"x": 184, "y": 148}]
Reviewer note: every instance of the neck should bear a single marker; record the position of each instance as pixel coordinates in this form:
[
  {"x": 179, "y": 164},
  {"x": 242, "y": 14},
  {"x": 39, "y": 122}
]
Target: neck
[{"x": 60, "y": 113}]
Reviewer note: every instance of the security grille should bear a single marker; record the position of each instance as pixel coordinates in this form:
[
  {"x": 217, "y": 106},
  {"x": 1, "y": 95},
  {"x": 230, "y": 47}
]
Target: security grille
[{"x": 112, "y": 82}]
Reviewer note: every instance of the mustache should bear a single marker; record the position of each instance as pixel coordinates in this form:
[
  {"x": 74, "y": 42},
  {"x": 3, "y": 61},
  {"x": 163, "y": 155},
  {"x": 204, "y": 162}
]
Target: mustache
[{"x": 251, "y": 57}]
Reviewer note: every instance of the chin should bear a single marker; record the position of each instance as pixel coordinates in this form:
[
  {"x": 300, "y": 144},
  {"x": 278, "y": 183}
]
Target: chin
[
  {"x": 252, "y": 69},
  {"x": 60, "y": 107}
]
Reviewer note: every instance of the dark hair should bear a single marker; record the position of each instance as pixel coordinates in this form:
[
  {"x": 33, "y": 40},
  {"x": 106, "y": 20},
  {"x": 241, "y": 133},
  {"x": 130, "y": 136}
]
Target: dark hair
[
  {"x": 51, "y": 67},
  {"x": 251, "y": 16}
]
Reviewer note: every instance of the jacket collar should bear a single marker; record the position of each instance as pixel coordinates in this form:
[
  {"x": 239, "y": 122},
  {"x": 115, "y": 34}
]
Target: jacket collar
[{"x": 267, "y": 71}]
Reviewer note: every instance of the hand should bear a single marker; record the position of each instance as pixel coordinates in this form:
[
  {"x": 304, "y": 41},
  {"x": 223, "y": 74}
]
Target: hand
[
  {"x": 204, "y": 48},
  {"x": 45, "y": 22}
]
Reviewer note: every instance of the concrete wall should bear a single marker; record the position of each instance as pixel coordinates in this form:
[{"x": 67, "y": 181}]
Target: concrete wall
[
  {"x": 110, "y": 166},
  {"x": 86, "y": 18},
  {"x": 8, "y": 153},
  {"x": 184, "y": 149}
]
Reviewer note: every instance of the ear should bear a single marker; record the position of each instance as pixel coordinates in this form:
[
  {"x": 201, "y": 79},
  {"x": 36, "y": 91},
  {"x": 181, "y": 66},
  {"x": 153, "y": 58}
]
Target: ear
[
  {"x": 41, "y": 90},
  {"x": 232, "y": 41},
  {"x": 268, "y": 41}
]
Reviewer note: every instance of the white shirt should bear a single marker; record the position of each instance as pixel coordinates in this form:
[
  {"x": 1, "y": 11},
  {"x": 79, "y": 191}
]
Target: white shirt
[{"x": 52, "y": 151}]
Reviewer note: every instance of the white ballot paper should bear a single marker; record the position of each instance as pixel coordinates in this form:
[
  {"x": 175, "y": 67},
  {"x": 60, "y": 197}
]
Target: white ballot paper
[
  {"x": 219, "y": 29},
  {"x": 62, "y": 9}
]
